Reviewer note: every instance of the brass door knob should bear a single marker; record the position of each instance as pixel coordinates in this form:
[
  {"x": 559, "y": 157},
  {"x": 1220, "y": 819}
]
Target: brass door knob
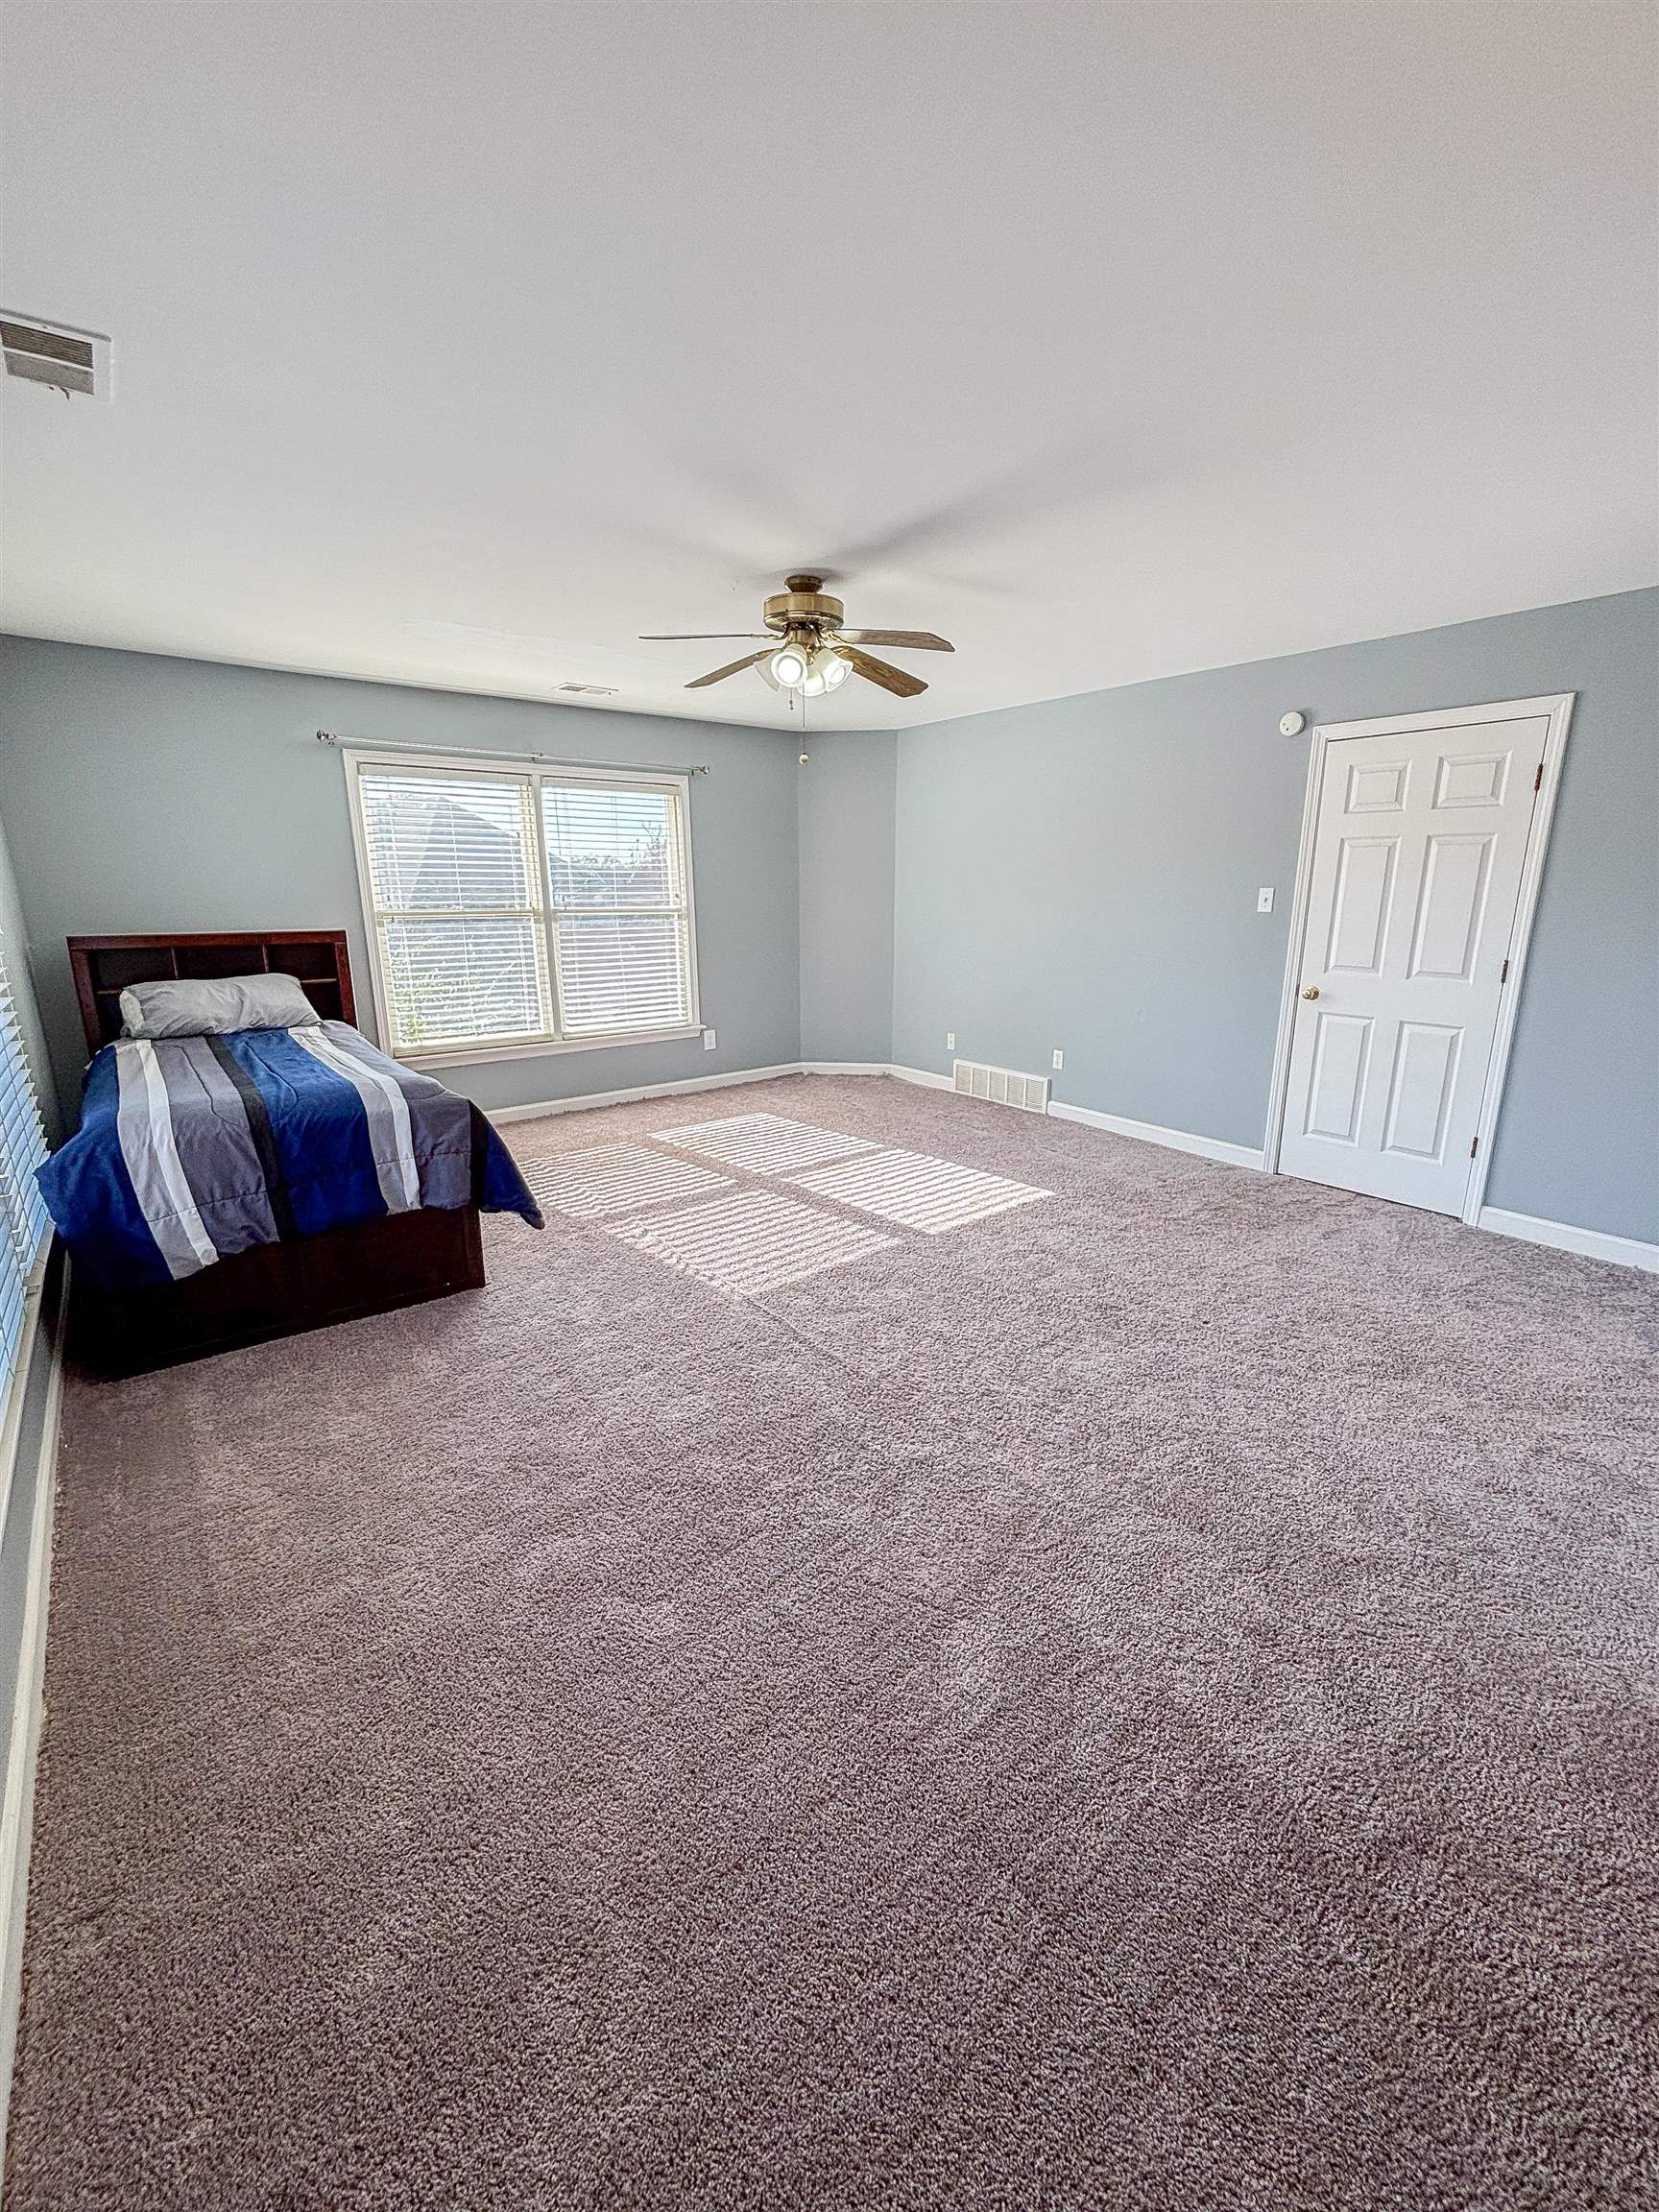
[{"x": 1312, "y": 991}]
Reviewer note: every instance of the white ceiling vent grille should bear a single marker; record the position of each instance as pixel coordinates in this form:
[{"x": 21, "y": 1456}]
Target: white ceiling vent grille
[
  {"x": 74, "y": 362},
  {"x": 1003, "y": 1086},
  {"x": 590, "y": 690}
]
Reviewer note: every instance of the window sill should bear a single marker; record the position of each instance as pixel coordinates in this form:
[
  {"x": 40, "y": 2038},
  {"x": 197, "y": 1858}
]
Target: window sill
[{"x": 476, "y": 1055}]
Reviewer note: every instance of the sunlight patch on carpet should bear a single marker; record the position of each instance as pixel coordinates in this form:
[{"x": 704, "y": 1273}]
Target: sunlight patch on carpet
[
  {"x": 917, "y": 1192},
  {"x": 763, "y": 1144},
  {"x": 616, "y": 1179},
  {"x": 753, "y": 1242}
]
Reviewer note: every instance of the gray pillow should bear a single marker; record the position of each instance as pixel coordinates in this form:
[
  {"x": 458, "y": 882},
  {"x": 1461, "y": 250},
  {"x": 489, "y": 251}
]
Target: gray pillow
[{"x": 201, "y": 1007}]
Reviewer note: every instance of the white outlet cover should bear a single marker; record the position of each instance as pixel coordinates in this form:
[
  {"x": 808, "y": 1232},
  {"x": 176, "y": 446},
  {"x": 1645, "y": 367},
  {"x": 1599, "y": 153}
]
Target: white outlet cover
[
  {"x": 1264, "y": 899},
  {"x": 711, "y": 1038},
  {"x": 1059, "y": 1059},
  {"x": 950, "y": 1040}
]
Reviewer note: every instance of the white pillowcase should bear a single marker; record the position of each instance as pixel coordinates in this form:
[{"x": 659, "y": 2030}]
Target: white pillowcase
[{"x": 212, "y": 1006}]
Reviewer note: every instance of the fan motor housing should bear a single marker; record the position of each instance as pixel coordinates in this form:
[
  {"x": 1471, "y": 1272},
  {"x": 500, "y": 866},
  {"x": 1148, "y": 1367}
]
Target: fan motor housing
[{"x": 802, "y": 607}]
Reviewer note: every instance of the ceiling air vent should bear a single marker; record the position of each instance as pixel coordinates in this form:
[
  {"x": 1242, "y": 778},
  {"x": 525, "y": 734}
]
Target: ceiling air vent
[
  {"x": 590, "y": 690},
  {"x": 71, "y": 361},
  {"x": 1003, "y": 1086}
]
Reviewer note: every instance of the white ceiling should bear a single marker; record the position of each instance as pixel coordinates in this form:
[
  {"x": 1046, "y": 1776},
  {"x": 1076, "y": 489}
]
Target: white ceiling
[{"x": 456, "y": 344}]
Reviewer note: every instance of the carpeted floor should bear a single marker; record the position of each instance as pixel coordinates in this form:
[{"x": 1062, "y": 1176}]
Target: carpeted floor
[{"x": 816, "y": 1693}]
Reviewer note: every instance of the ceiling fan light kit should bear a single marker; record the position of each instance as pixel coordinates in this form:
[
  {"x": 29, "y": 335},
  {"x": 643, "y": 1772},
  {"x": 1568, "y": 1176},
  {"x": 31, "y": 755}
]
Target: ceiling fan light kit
[
  {"x": 817, "y": 653},
  {"x": 789, "y": 664},
  {"x": 825, "y": 671}
]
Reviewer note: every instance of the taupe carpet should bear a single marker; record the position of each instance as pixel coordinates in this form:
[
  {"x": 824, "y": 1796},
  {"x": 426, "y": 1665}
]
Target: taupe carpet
[{"x": 1143, "y": 1701}]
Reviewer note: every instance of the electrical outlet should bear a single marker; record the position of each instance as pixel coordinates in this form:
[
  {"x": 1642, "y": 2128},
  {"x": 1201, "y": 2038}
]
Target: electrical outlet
[
  {"x": 1059, "y": 1062},
  {"x": 950, "y": 1040},
  {"x": 711, "y": 1038},
  {"x": 1264, "y": 899}
]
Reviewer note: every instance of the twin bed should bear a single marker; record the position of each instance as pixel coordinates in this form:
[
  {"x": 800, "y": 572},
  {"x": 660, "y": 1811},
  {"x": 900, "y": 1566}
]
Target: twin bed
[{"x": 231, "y": 1184}]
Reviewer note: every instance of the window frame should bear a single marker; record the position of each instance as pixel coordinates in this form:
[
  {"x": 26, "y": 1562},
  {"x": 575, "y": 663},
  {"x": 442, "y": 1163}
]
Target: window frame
[{"x": 511, "y": 768}]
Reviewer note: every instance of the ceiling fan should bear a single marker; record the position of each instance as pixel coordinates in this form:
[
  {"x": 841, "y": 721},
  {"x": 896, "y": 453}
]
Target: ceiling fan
[{"x": 817, "y": 654}]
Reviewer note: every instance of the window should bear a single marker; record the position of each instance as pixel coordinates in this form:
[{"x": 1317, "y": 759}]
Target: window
[
  {"x": 22, "y": 1211},
  {"x": 519, "y": 910}
]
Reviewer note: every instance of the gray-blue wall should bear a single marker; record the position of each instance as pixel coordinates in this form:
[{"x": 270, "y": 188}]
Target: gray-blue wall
[
  {"x": 1083, "y": 874},
  {"x": 846, "y": 831},
  {"x": 144, "y": 793}
]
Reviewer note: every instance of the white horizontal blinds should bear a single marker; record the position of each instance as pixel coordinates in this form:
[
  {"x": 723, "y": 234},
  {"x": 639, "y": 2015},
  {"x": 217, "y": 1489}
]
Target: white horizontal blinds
[
  {"x": 522, "y": 908},
  {"x": 619, "y": 905},
  {"x": 455, "y": 890},
  {"x": 22, "y": 1148}
]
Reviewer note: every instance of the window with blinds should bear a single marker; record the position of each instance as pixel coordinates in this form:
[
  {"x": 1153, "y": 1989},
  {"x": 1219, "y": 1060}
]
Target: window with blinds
[
  {"x": 620, "y": 911},
  {"x": 23, "y": 1221},
  {"x": 515, "y": 909}
]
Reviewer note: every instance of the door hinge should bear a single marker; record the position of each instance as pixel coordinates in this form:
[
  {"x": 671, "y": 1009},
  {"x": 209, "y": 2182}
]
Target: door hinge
[
  {"x": 1474, "y": 1147},
  {"x": 1503, "y": 975},
  {"x": 1538, "y": 778}
]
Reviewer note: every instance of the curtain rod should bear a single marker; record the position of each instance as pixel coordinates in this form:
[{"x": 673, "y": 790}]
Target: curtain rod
[{"x": 472, "y": 752}]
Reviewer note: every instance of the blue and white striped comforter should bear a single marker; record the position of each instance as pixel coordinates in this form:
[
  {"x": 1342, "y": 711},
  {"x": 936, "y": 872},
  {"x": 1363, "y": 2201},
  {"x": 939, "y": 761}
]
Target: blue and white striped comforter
[{"x": 192, "y": 1148}]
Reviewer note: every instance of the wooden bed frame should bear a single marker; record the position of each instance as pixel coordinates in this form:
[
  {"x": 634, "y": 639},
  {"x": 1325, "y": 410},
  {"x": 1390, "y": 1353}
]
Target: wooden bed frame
[{"x": 275, "y": 1289}]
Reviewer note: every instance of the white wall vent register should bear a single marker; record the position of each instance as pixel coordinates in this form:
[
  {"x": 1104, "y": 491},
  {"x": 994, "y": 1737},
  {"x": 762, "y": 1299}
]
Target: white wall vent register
[
  {"x": 70, "y": 361},
  {"x": 1003, "y": 1086}
]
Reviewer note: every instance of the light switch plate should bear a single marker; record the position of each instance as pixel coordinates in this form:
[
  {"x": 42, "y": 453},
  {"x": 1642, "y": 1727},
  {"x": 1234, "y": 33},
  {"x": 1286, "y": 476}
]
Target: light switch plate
[
  {"x": 711, "y": 1038},
  {"x": 1264, "y": 899}
]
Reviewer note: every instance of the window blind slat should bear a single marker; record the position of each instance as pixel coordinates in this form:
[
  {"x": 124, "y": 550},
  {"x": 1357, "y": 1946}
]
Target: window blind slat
[
  {"x": 609, "y": 849},
  {"x": 621, "y": 973},
  {"x": 23, "y": 1219},
  {"x": 443, "y": 842},
  {"x": 459, "y": 980},
  {"x": 452, "y": 878}
]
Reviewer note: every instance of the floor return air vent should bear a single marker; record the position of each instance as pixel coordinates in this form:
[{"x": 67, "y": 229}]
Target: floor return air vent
[{"x": 1003, "y": 1086}]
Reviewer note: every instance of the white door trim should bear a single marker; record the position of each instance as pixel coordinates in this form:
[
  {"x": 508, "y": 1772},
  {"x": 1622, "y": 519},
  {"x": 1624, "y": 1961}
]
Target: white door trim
[{"x": 1559, "y": 708}]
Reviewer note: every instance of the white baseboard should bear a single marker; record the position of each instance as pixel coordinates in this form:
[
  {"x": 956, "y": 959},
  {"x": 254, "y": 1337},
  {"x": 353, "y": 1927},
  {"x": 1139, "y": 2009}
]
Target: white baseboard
[
  {"x": 580, "y": 1103},
  {"x": 17, "y": 1807},
  {"x": 1151, "y": 1133},
  {"x": 1147, "y": 1131},
  {"x": 1563, "y": 1236}
]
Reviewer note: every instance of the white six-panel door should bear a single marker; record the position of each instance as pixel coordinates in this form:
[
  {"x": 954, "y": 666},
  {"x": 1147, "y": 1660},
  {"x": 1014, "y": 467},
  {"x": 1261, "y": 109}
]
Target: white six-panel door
[{"x": 1418, "y": 852}]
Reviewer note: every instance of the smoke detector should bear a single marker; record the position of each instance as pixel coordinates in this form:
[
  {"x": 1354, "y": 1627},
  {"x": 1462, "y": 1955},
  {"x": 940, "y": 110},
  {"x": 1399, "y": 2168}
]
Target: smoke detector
[{"x": 73, "y": 362}]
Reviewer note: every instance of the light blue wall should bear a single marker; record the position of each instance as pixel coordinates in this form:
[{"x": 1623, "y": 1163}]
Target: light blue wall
[
  {"x": 846, "y": 833},
  {"x": 1083, "y": 874},
  {"x": 144, "y": 793}
]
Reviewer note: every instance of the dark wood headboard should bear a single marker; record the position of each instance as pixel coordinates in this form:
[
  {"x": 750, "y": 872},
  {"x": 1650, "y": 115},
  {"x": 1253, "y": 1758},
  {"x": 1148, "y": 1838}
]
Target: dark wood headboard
[{"x": 102, "y": 967}]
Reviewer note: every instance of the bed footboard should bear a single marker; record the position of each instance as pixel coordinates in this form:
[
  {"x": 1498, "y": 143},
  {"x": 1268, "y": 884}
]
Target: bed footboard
[{"x": 277, "y": 1290}]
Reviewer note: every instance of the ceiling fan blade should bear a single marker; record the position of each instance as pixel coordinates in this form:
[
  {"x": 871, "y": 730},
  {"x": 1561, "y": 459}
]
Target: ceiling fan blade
[
  {"x": 696, "y": 637},
  {"x": 917, "y": 640},
  {"x": 890, "y": 678},
  {"x": 732, "y": 668},
  {"x": 1072, "y": 481}
]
